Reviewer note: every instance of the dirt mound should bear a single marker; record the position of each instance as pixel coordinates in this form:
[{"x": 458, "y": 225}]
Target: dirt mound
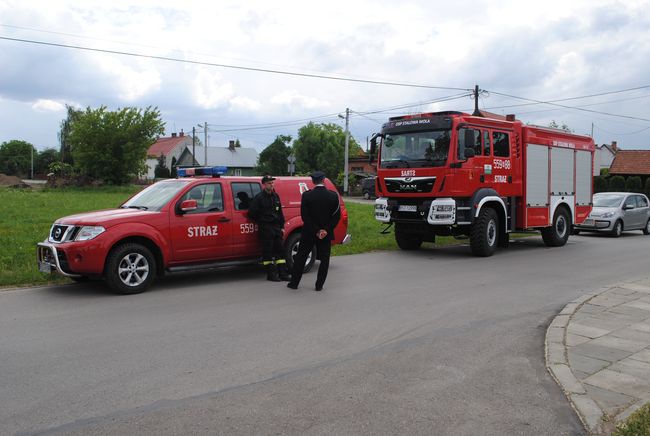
[{"x": 12, "y": 181}]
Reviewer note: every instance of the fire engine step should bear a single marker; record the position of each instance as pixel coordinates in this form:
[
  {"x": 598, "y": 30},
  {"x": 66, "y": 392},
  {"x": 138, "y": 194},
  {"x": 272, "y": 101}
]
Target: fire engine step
[{"x": 211, "y": 265}]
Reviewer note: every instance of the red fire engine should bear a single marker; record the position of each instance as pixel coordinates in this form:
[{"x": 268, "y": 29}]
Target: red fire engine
[
  {"x": 178, "y": 224},
  {"x": 450, "y": 173}
]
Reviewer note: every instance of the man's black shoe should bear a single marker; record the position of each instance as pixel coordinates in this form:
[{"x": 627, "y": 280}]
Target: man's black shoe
[
  {"x": 318, "y": 288},
  {"x": 292, "y": 286}
]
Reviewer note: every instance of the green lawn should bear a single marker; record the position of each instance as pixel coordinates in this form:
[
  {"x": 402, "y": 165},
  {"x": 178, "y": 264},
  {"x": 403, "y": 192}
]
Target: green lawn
[{"x": 27, "y": 215}]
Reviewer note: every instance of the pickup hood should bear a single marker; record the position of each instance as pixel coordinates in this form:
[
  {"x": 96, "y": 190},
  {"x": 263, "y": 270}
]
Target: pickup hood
[{"x": 106, "y": 218}]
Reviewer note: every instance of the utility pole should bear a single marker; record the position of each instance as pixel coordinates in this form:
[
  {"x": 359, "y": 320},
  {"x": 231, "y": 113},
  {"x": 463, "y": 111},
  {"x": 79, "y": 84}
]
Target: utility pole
[
  {"x": 31, "y": 149},
  {"x": 347, "y": 144},
  {"x": 477, "y": 113},
  {"x": 193, "y": 144},
  {"x": 205, "y": 131}
]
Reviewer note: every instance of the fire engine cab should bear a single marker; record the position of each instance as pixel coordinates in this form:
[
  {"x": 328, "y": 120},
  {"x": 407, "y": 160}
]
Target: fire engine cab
[
  {"x": 451, "y": 173},
  {"x": 196, "y": 221}
]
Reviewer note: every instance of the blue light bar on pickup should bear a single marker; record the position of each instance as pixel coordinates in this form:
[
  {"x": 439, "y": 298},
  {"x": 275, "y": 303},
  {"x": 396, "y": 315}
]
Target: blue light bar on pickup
[{"x": 202, "y": 171}]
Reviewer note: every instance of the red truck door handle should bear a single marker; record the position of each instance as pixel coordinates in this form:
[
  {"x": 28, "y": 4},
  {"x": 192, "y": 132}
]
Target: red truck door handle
[{"x": 223, "y": 220}]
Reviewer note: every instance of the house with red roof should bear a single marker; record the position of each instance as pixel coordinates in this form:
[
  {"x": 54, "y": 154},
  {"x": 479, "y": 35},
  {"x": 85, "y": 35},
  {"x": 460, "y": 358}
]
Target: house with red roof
[
  {"x": 631, "y": 163},
  {"x": 171, "y": 148},
  {"x": 604, "y": 156}
]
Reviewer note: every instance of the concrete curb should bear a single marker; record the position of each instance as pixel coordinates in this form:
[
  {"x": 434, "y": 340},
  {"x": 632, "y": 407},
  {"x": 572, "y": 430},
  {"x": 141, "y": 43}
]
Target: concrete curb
[{"x": 592, "y": 416}]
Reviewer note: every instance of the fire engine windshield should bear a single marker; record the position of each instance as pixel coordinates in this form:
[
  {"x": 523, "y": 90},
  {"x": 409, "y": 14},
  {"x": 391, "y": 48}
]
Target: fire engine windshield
[
  {"x": 156, "y": 196},
  {"x": 415, "y": 149}
]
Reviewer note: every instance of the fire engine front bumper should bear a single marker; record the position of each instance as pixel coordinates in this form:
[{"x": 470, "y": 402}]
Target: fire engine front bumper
[{"x": 52, "y": 260}]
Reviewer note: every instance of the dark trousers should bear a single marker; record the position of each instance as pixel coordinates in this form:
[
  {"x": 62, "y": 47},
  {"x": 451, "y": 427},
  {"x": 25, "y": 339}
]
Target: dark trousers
[
  {"x": 323, "y": 250},
  {"x": 271, "y": 238}
]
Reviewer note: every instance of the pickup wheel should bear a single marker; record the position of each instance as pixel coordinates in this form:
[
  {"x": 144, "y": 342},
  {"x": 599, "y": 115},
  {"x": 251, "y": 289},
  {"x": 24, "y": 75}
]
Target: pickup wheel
[
  {"x": 130, "y": 268},
  {"x": 558, "y": 233},
  {"x": 291, "y": 249},
  {"x": 484, "y": 235},
  {"x": 407, "y": 241}
]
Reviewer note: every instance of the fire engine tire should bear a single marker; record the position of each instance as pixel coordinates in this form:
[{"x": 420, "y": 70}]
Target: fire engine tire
[
  {"x": 291, "y": 249},
  {"x": 558, "y": 233},
  {"x": 646, "y": 229},
  {"x": 617, "y": 230},
  {"x": 130, "y": 269},
  {"x": 407, "y": 241},
  {"x": 484, "y": 237}
]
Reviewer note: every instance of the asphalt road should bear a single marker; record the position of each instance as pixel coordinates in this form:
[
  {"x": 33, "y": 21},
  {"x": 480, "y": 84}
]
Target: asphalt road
[{"x": 427, "y": 342}]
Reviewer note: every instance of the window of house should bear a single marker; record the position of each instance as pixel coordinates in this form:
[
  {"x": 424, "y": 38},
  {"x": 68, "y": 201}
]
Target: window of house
[
  {"x": 501, "y": 144},
  {"x": 236, "y": 172}
]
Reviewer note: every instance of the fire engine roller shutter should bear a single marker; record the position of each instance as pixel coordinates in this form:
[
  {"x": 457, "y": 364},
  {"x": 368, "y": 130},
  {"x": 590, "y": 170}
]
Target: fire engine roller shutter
[
  {"x": 536, "y": 175},
  {"x": 562, "y": 171},
  {"x": 583, "y": 178}
]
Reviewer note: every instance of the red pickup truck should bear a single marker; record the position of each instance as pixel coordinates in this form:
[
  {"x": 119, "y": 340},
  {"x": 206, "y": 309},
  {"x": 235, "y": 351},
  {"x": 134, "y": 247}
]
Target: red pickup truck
[{"x": 181, "y": 224}]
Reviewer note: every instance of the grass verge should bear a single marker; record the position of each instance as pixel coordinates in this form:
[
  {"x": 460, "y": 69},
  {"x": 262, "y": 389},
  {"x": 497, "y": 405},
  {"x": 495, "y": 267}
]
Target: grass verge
[{"x": 637, "y": 424}]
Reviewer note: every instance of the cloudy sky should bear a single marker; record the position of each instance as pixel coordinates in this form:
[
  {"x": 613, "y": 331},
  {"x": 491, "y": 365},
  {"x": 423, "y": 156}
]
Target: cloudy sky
[{"x": 220, "y": 62}]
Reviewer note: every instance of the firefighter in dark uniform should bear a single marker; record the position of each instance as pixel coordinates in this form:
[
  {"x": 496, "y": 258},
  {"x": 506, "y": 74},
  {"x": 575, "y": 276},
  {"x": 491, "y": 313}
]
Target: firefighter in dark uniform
[
  {"x": 320, "y": 211},
  {"x": 266, "y": 210}
]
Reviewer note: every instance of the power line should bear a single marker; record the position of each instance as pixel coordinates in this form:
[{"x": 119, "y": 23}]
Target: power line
[
  {"x": 570, "y": 107},
  {"x": 236, "y": 67}
]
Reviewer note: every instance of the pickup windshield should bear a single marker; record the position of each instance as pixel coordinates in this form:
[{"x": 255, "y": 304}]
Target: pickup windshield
[
  {"x": 415, "y": 149},
  {"x": 156, "y": 196}
]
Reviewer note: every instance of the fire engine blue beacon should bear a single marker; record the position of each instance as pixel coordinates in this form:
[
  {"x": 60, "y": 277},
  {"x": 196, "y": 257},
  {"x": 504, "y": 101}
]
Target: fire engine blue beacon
[{"x": 215, "y": 171}]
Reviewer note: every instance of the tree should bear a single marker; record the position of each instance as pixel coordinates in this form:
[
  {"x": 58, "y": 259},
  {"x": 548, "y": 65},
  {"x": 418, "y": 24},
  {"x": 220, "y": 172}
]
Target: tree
[
  {"x": 112, "y": 146},
  {"x": 633, "y": 184},
  {"x": 273, "y": 159},
  {"x": 322, "y": 147},
  {"x": 646, "y": 187},
  {"x": 600, "y": 184},
  {"x": 16, "y": 158},
  {"x": 64, "y": 134},
  {"x": 553, "y": 124},
  {"x": 43, "y": 160},
  {"x": 617, "y": 184},
  {"x": 161, "y": 171}
]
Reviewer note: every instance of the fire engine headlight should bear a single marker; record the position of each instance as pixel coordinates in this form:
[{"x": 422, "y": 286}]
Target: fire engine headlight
[
  {"x": 89, "y": 232},
  {"x": 445, "y": 208}
]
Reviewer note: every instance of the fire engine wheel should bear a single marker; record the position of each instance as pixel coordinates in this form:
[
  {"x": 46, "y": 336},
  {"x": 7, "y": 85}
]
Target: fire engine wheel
[
  {"x": 291, "y": 247},
  {"x": 407, "y": 241},
  {"x": 484, "y": 236},
  {"x": 130, "y": 268},
  {"x": 617, "y": 230},
  {"x": 558, "y": 233},
  {"x": 646, "y": 229}
]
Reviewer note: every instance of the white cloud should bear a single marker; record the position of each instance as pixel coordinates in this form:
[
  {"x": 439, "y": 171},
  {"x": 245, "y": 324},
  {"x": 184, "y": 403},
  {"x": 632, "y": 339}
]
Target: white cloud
[
  {"x": 245, "y": 104},
  {"x": 210, "y": 90},
  {"x": 295, "y": 100},
  {"x": 43, "y": 105}
]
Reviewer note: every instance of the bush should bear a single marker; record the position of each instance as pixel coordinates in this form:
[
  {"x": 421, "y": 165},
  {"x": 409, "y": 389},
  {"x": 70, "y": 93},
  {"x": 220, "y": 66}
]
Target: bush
[
  {"x": 638, "y": 424},
  {"x": 617, "y": 184},
  {"x": 600, "y": 184},
  {"x": 647, "y": 187},
  {"x": 633, "y": 184}
]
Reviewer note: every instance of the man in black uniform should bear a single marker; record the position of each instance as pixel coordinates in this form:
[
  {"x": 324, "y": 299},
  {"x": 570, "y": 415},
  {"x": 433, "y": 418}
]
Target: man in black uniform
[
  {"x": 320, "y": 212},
  {"x": 266, "y": 210}
]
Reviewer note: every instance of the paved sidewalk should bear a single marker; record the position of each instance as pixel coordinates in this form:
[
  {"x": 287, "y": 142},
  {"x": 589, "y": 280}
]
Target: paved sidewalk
[{"x": 598, "y": 351}]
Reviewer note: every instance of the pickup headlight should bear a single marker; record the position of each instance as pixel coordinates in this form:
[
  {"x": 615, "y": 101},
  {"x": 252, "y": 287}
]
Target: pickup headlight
[{"x": 89, "y": 232}]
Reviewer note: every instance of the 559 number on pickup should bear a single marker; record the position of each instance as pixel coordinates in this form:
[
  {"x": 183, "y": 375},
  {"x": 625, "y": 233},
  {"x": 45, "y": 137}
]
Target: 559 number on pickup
[{"x": 247, "y": 228}]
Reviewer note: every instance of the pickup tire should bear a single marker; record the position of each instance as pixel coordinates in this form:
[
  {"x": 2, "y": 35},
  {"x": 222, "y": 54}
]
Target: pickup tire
[
  {"x": 130, "y": 268},
  {"x": 558, "y": 233},
  {"x": 484, "y": 235},
  {"x": 291, "y": 249}
]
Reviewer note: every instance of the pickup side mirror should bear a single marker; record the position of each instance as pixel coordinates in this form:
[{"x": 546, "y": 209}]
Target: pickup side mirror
[
  {"x": 188, "y": 206},
  {"x": 373, "y": 147}
]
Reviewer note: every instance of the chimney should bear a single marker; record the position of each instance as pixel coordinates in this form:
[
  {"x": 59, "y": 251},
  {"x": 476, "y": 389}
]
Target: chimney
[
  {"x": 182, "y": 133},
  {"x": 231, "y": 145},
  {"x": 510, "y": 117},
  {"x": 173, "y": 134},
  {"x": 614, "y": 146}
]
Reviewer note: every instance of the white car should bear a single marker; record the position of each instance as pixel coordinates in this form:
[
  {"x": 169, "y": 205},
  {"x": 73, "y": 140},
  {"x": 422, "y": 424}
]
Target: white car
[{"x": 616, "y": 212}]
